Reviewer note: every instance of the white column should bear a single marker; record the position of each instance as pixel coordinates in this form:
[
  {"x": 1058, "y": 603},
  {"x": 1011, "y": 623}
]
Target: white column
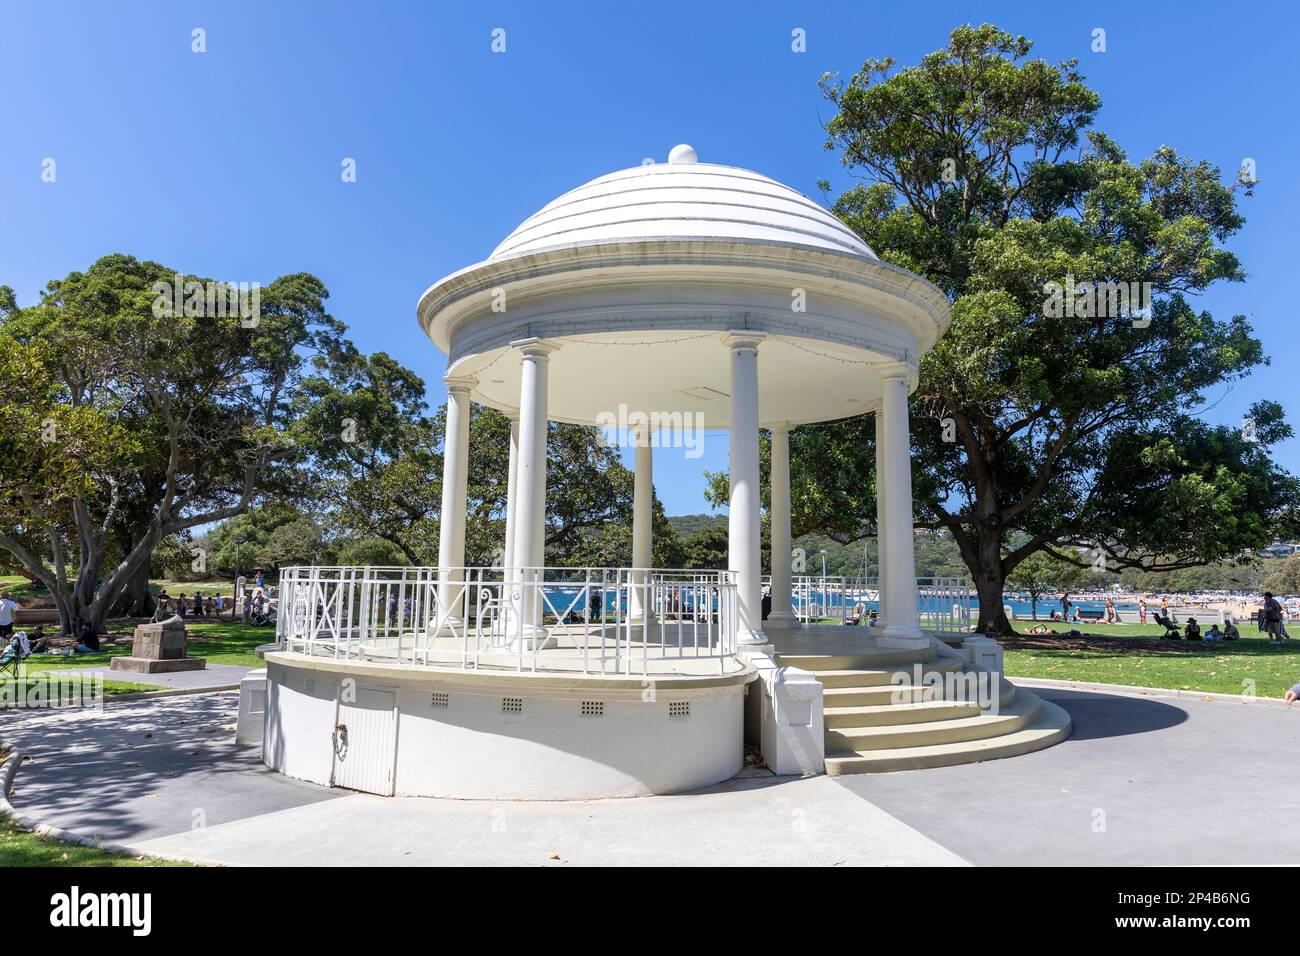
[
  {"x": 455, "y": 479},
  {"x": 530, "y": 478},
  {"x": 903, "y": 628},
  {"x": 744, "y": 540},
  {"x": 642, "y": 523},
  {"x": 782, "y": 613},
  {"x": 512, "y": 497},
  {"x": 882, "y": 572}
]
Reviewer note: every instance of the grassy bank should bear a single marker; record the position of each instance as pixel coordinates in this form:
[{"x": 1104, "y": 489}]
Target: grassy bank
[
  {"x": 21, "y": 848},
  {"x": 217, "y": 643},
  {"x": 1136, "y": 656}
]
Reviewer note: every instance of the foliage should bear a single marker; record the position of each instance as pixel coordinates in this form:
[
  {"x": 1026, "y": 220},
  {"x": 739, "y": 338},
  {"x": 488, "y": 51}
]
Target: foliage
[
  {"x": 1071, "y": 430},
  {"x": 164, "y": 419}
]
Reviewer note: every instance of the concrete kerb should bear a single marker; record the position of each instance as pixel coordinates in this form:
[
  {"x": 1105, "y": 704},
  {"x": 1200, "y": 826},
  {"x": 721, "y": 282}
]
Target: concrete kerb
[
  {"x": 7, "y": 774},
  {"x": 1133, "y": 690}
]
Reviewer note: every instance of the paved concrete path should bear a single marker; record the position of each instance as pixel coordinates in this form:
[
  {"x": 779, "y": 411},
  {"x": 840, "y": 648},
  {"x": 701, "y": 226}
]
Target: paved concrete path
[
  {"x": 134, "y": 771},
  {"x": 212, "y": 676},
  {"x": 97, "y": 773},
  {"x": 1142, "y": 780}
]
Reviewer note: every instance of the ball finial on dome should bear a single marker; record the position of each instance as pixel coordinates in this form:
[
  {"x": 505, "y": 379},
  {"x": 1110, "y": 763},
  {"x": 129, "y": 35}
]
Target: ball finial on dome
[{"x": 683, "y": 154}]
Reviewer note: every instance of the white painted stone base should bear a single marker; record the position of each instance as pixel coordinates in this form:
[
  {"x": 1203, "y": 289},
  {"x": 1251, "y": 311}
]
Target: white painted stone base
[
  {"x": 507, "y": 736},
  {"x": 792, "y": 723},
  {"x": 252, "y": 707}
]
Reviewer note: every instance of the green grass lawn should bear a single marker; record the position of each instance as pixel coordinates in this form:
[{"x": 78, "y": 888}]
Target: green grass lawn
[
  {"x": 20, "y": 848},
  {"x": 224, "y": 643},
  {"x": 1135, "y": 655}
]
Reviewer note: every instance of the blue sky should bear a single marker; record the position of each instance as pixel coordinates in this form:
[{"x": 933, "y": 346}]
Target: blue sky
[{"x": 227, "y": 163}]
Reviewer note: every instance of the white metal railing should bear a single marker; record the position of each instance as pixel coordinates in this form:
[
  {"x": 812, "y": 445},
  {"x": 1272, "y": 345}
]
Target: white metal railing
[
  {"x": 943, "y": 603},
  {"x": 591, "y": 620}
]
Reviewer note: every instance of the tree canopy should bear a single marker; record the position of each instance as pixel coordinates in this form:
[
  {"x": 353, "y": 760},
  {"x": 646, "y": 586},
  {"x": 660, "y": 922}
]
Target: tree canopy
[
  {"x": 135, "y": 424},
  {"x": 1063, "y": 427}
]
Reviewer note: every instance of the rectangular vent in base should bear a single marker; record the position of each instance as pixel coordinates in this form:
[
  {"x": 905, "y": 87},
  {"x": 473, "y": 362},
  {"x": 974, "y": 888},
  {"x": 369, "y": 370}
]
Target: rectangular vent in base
[
  {"x": 593, "y": 708},
  {"x": 512, "y": 705},
  {"x": 309, "y": 685},
  {"x": 438, "y": 699},
  {"x": 679, "y": 708}
]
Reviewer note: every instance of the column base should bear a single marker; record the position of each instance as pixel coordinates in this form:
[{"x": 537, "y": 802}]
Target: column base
[
  {"x": 902, "y": 638},
  {"x": 753, "y": 642}
]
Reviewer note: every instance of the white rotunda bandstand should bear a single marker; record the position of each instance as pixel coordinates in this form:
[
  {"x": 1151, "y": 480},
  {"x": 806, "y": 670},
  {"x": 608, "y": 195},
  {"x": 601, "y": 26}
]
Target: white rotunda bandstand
[{"x": 664, "y": 297}]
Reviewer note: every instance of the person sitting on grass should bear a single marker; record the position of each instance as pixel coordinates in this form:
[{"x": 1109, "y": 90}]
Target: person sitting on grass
[
  {"x": 1043, "y": 628},
  {"x": 1192, "y": 631},
  {"x": 1214, "y": 634},
  {"x": 1230, "y": 632}
]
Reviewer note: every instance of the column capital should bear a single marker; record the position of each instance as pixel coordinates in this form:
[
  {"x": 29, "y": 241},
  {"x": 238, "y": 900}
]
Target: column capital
[
  {"x": 779, "y": 428},
  {"x": 891, "y": 370},
  {"x": 459, "y": 383},
  {"x": 534, "y": 346},
  {"x": 739, "y": 340},
  {"x": 876, "y": 406}
]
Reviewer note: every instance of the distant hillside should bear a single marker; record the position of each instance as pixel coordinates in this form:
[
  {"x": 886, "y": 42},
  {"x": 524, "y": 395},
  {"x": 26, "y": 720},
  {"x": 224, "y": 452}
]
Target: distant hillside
[
  {"x": 688, "y": 526},
  {"x": 936, "y": 552}
]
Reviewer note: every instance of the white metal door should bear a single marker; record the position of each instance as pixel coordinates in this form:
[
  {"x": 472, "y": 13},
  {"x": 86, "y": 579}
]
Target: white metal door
[{"x": 365, "y": 742}]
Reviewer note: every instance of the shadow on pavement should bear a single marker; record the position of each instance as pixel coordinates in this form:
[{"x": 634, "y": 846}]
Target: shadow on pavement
[{"x": 1096, "y": 715}]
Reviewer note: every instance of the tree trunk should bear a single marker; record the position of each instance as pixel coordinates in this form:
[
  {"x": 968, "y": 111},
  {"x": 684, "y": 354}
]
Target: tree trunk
[
  {"x": 989, "y": 581},
  {"x": 136, "y": 601}
]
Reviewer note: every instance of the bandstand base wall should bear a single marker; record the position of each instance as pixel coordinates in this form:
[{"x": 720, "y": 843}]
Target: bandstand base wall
[{"x": 499, "y": 736}]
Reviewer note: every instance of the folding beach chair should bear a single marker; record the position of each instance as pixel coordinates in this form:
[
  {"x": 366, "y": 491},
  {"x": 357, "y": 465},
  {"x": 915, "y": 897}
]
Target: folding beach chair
[{"x": 12, "y": 656}]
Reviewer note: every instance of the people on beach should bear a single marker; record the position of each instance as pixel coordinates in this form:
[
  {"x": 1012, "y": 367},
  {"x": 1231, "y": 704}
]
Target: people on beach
[{"x": 1142, "y": 610}]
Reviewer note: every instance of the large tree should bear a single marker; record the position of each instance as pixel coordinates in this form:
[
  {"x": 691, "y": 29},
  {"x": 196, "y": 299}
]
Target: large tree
[
  {"x": 374, "y": 456},
  {"x": 1060, "y": 426},
  {"x": 141, "y": 417}
]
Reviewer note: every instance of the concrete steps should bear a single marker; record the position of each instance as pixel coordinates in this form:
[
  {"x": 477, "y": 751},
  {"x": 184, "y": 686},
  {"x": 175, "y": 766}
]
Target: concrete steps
[
  {"x": 873, "y": 677},
  {"x": 883, "y": 714},
  {"x": 874, "y": 660},
  {"x": 1050, "y": 727},
  {"x": 916, "y": 712},
  {"x": 1022, "y": 712}
]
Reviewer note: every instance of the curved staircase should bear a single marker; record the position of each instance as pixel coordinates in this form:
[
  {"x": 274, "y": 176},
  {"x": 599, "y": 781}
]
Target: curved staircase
[{"x": 877, "y": 721}]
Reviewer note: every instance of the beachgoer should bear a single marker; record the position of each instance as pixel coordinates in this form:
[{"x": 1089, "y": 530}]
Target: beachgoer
[
  {"x": 8, "y": 614},
  {"x": 1272, "y": 617}
]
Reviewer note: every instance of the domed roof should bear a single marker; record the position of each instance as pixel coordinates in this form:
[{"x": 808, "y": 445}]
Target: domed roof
[{"x": 681, "y": 199}]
